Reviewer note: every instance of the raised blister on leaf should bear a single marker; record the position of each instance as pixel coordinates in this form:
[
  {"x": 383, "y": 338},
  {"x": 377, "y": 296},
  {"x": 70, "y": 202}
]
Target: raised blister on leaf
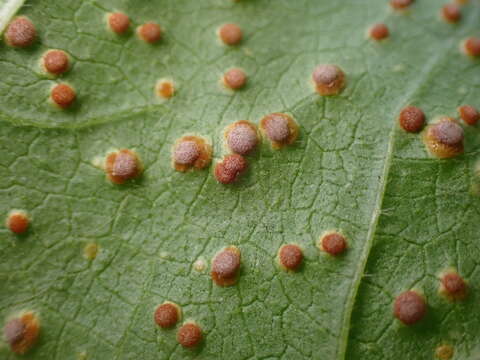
[
  {"x": 21, "y": 332},
  {"x": 191, "y": 152},
  {"x": 226, "y": 266}
]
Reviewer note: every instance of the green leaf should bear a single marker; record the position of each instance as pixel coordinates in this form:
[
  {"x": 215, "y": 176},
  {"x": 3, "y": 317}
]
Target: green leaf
[{"x": 407, "y": 215}]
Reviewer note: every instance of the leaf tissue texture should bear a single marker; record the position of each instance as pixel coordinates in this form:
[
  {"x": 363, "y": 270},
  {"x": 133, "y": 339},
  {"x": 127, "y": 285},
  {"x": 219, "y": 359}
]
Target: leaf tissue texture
[{"x": 98, "y": 258}]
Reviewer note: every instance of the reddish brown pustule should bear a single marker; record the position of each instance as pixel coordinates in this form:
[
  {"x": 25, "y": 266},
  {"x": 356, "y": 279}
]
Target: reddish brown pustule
[
  {"x": 400, "y": 4},
  {"x": 469, "y": 114},
  {"x": 290, "y": 257},
  {"x": 189, "y": 335},
  {"x": 191, "y": 152},
  {"x": 451, "y": 13},
  {"x": 472, "y": 46},
  {"x": 21, "y": 333},
  {"x": 230, "y": 34},
  {"x": 235, "y": 79},
  {"x": 167, "y": 315},
  {"x": 17, "y": 222},
  {"x": 63, "y": 95},
  {"x": 454, "y": 285},
  {"x": 229, "y": 170},
  {"x": 150, "y": 32},
  {"x": 225, "y": 266},
  {"x": 409, "y": 307},
  {"x": 412, "y": 119},
  {"x": 333, "y": 244},
  {"x": 20, "y": 32},
  {"x": 119, "y": 22},
  {"x": 242, "y": 137},
  {"x": 56, "y": 62},
  {"x": 123, "y": 166},
  {"x": 329, "y": 79},
  {"x": 379, "y": 31}
]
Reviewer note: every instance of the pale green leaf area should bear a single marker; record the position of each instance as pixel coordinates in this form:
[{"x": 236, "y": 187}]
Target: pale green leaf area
[{"x": 407, "y": 215}]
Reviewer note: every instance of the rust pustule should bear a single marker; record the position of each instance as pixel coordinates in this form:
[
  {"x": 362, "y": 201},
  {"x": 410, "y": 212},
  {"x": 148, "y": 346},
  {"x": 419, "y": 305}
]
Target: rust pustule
[
  {"x": 444, "y": 352},
  {"x": 444, "y": 139},
  {"x": 191, "y": 152},
  {"x": 290, "y": 257},
  {"x": 20, "y": 32},
  {"x": 329, "y": 79},
  {"x": 280, "y": 129},
  {"x": 122, "y": 166},
  {"x": 411, "y": 119},
  {"x": 451, "y": 13},
  {"x": 469, "y": 114},
  {"x": 400, "y": 4},
  {"x": 21, "y": 332},
  {"x": 167, "y": 315},
  {"x": 230, "y": 34},
  {"x": 56, "y": 62},
  {"x": 409, "y": 307},
  {"x": 190, "y": 335},
  {"x": 150, "y": 32},
  {"x": 241, "y": 137},
  {"x": 165, "y": 88},
  {"x": 453, "y": 286},
  {"x": 229, "y": 170},
  {"x": 471, "y": 46},
  {"x": 118, "y": 22},
  {"x": 226, "y": 266},
  {"x": 63, "y": 95},
  {"x": 333, "y": 243},
  {"x": 17, "y": 221},
  {"x": 379, "y": 31},
  {"x": 235, "y": 79}
]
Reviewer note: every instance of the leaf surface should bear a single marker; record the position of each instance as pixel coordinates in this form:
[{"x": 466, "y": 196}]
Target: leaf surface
[{"x": 407, "y": 216}]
